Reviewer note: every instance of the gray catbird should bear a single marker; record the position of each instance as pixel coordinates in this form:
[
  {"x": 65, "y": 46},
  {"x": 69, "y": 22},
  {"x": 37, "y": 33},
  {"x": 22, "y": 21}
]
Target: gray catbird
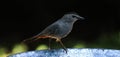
[{"x": 59, "y": 29}]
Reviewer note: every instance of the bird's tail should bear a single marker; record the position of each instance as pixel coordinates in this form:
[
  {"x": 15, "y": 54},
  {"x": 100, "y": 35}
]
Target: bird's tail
[{"x": 34, "y": 38}]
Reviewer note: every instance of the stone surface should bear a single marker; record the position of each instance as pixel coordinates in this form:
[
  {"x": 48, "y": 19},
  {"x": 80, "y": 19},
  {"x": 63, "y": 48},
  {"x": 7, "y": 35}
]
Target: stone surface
[{"x": 70, "y": 53}]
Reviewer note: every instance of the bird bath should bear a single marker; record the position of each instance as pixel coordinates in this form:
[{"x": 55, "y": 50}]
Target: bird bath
[{"x": 87, "y": 52}]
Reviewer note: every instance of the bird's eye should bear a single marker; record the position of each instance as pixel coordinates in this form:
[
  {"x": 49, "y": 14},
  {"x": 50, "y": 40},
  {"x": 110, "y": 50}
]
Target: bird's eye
[{"x": 73, "y": 16}]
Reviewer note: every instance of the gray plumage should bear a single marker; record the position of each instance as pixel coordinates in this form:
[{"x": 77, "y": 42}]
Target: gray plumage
[
  {"x": 59, "y": 29},
  {"x": 62, "y": 27}
]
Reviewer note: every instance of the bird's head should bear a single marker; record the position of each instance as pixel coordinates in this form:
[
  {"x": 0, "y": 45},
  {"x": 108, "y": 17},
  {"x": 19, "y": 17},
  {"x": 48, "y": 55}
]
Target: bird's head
[{"x": 74, "y": 16}]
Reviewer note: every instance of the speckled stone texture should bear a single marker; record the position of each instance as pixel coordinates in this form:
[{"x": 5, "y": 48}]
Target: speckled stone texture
[{"x": 70, "y": 53}]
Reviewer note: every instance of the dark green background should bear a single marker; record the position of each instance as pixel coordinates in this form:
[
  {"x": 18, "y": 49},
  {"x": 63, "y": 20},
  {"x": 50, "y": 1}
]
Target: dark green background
[{"x": 22, "y": 19}]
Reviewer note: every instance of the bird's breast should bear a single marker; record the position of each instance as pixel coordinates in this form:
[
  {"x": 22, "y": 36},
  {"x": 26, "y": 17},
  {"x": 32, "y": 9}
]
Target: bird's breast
[{"x": 64, "y": 29}]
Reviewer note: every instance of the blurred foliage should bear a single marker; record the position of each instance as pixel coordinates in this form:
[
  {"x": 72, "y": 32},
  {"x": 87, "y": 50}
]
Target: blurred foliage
[
  {"x": 42, "y": 47},
  {"x": 79, "y": 45},
  {"x": 16, "y": 49},
  {"x": 3, "y": 52},
  {"x": 19, "y": 48},
  {"x": 110, "y": 40}
]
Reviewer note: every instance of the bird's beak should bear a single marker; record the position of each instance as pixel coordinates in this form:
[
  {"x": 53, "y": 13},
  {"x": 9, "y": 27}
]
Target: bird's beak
[{"x": 80, "y": 18}]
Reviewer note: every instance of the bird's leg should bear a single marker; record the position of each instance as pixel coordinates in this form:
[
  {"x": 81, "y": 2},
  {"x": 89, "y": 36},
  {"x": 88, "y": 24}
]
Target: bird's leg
[
  {"x": 49, "y": 46},
  {"x": 59, "y": 40}
]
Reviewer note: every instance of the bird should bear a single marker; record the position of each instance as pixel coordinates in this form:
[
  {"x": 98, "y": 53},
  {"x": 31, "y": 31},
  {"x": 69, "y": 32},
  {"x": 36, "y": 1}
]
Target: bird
[{"x": 59, "y": 29}]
